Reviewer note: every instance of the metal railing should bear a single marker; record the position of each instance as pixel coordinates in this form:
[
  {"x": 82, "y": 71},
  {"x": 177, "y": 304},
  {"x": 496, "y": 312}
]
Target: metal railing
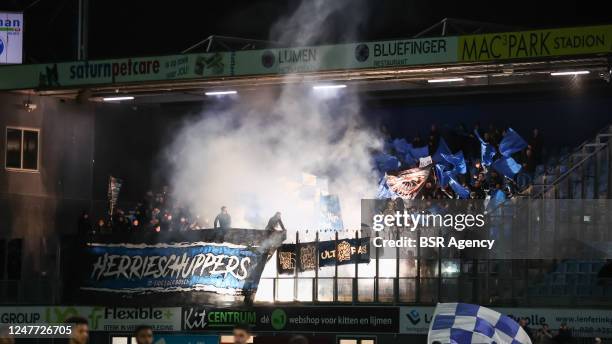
[{"x": 588, "y": 174}]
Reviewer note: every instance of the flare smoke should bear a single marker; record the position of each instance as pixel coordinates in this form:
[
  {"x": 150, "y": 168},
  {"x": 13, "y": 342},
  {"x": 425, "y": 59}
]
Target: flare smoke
[{"x": 250, "y": 152}]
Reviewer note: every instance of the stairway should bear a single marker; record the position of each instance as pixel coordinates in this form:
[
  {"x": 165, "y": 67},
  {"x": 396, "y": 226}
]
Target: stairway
[{"x": 585, "y": 173}]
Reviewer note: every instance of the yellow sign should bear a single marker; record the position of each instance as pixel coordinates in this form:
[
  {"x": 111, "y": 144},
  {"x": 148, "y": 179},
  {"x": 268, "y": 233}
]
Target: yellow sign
[{"x": 534, "y": 44}]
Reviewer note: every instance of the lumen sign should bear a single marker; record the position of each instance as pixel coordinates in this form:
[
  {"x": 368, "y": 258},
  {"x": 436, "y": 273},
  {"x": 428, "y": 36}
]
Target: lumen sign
[{"x": 11, "y": 38}]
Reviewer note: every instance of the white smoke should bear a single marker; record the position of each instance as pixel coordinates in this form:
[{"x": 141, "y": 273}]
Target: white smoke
[{"x": 250, "y": 153}]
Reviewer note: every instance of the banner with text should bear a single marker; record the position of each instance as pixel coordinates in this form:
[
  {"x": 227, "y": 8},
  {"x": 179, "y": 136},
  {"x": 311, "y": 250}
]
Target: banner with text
[
  {"x": 11, "y": 37},
  {"x": 105, "y": 319},
  {"x": 582, "y": 322},
  {"x": 223, "y": 268},
  {"x": 116, "y": 71},
  {"x": 295, "y": 319},
  {"x": 283, "y": 61},
  {"x": 535, "y": 44},
  {"x": 313, "y": 255}
]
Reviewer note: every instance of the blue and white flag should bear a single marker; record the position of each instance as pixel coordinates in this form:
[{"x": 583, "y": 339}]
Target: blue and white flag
[
  {"x": 457, "y": 161},
  {"x": 511, "y": 143},
  {"x": 330, "y": 213},
  {"x": 498, "y": 197},
  {"x": 463, "y": 323},
  {"x": 442, "y": 175},
  {"x": 383, "y": 190},
  {"x": 487, "y": 151},
  {"x": 442, "y": 149},
  {"x": 507, "y": 167},
  {"x": 461, "y": 191}
]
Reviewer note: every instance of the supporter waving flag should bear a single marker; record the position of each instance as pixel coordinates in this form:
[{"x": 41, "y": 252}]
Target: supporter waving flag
[
  {"x": 402, "y": 146},
  {"x": 487, "y": 151},
  {"x": 415, "y": 153},
  {"x": 511, "y": 143},
  {"x": 442, "y": 149},
  {"x": 461, "y": 191},
  {"x": 442, "y": 175},
  {"x": 463, "y": 323},
  {"x": 507, "y": 166},
  {"x": 386, "y": 162},
  {"x": 457, "y": 161}
]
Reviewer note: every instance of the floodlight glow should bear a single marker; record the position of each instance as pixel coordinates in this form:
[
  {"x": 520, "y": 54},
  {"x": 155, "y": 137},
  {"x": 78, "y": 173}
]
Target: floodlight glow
[
  {"x": 431, "y": 81},
  {"x": 327, "y": 87},
  {"x": 116, "y": 99},
  {"x": 220, "y": 93},
  {"x": 570, "y": 72}
]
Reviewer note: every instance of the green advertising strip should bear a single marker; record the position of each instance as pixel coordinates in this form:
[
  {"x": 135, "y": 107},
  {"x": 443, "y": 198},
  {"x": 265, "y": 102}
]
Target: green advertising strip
[
  {"x": 381, "y": 54},
  {"x": 116, "y": 71},
  {"x": 281, "y": 61},
  {"x": 535, "y": 44},
  {"x": 242, "y": 63}
]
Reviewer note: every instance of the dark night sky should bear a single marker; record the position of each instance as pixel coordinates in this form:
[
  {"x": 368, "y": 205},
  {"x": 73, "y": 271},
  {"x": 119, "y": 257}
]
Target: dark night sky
[{"x": 121, "y": 28}]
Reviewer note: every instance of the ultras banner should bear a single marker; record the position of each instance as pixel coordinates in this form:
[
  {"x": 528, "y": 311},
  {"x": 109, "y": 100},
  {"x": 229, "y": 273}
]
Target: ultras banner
[
  {"x": 223, "y": 268},
  {"x": 174, "y": 268},
  {"x": 312, "y": 255}
]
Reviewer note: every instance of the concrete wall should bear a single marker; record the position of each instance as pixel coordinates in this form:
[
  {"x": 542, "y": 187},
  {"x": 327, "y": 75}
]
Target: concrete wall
[{"x": 40, "y": 206}]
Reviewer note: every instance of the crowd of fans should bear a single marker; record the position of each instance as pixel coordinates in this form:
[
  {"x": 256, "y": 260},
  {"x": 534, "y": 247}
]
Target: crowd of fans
[
  {"x": 480, "y": 180},
  {"x": 545, "y": 335},
  {"x": 157, "y": 212}
]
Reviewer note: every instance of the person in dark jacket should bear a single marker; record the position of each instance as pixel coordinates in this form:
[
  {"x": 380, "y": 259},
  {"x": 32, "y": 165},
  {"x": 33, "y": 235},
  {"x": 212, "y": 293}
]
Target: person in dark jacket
[
  {"x": 564, "y": 336},
  {"x": 223, "y": 220},
  {"x": 275, "y": 222},
  {"x": 535, "y": 144},
  {"x": 523, "y": 324}
]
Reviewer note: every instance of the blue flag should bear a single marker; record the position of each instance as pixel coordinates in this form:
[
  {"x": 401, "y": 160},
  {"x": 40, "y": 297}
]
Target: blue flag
[
  {"x": 511, "y": 143},
  {"x": 413, "y": 155},
  {"x": 386, "y": 162},
  {"x": 497, "y": 198},
  {"x": 457, "y": 161},
  {"x": 487, "y": 151},
  {"x": 442, "y": 175},
  {"x": 507, "y": 167},
  {"x": 383, "y": 190},
  {"x": 442, "y": 149},
  {"x": 402, "y": 146},
  {"x": 419, "y": 152},
  {"x": 461, "y": 191}
]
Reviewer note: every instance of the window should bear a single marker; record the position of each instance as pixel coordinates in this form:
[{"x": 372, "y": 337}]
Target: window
[{"x": 22, "y": 149}]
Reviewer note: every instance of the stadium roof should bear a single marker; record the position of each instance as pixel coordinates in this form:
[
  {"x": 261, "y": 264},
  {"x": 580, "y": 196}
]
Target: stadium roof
[{"x": 538, "y": 58}]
